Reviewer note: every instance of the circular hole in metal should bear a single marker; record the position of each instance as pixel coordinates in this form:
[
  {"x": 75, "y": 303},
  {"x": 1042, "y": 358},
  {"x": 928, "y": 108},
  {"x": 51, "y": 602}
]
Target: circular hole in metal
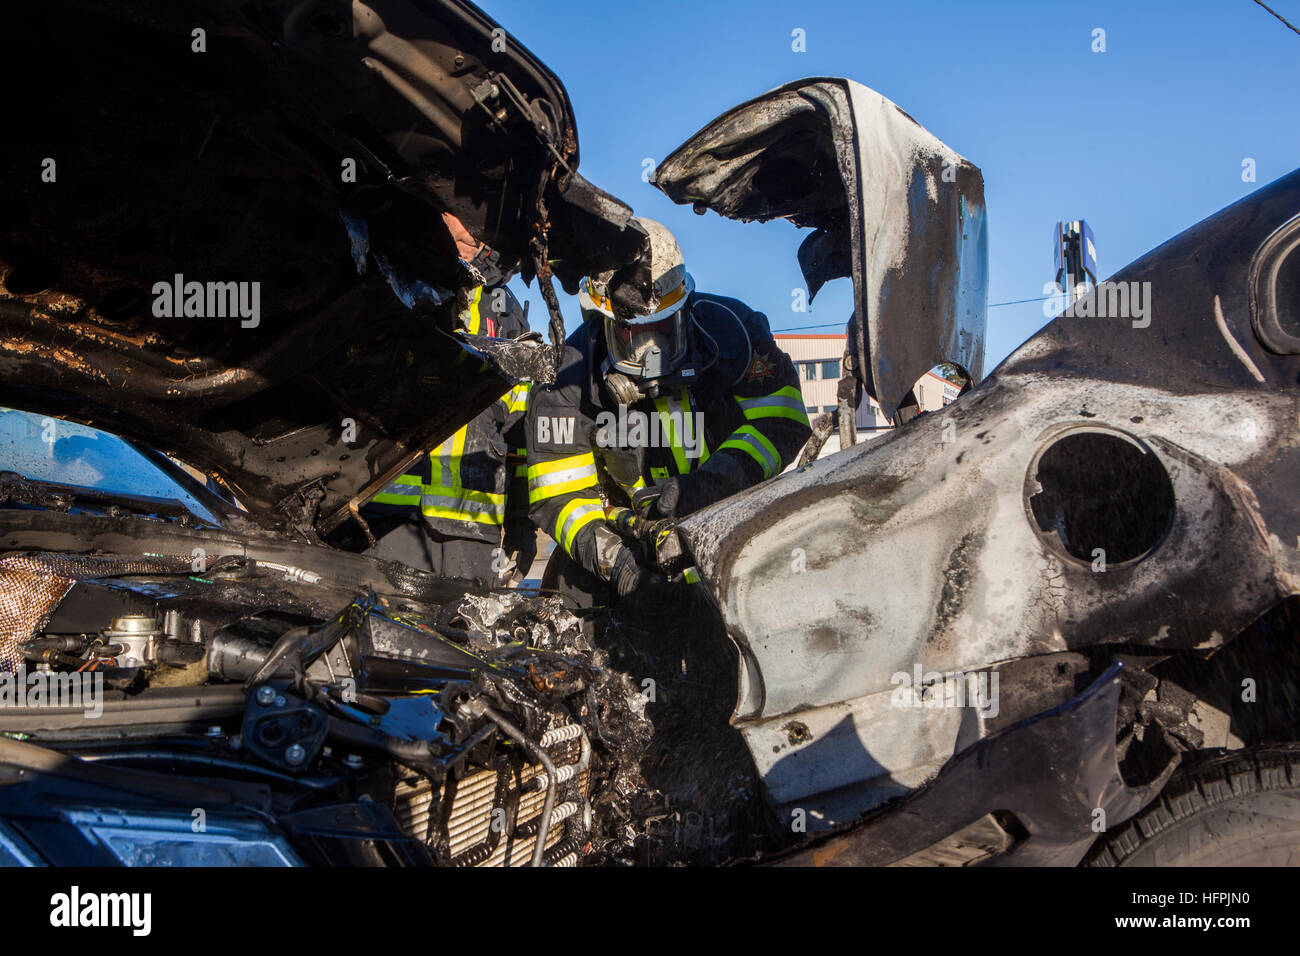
[{"x": 1096, "y": 494}]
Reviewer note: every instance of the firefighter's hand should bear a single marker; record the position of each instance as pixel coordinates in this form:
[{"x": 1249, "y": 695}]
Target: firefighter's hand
[
  {"x": 661, "y": 501},
  {"x": 631, "y": 578},
  {"x": 645, "y": 501}
]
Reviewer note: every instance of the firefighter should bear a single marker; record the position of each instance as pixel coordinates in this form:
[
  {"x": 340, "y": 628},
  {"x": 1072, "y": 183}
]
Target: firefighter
[
  {"x": 464, "y": 510},
  {"x": 667, "y": 400}
]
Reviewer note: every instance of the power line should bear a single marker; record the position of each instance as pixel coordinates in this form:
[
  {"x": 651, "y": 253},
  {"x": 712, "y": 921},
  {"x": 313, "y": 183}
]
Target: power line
[
  {"x": 807, "y": 328},
  {"x": 1041, "y": 298},
  {"x": 1278, "y": 15},
  {"x": 991, "y": 305}
]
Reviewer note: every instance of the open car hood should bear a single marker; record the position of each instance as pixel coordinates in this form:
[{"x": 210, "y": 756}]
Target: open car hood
[
  {"x": 302, "y": 152},
  {"x": 892, "y": 206}
]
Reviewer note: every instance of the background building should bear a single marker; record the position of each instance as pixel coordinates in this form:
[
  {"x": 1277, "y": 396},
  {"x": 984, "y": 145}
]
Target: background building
[{"x": 819, "y": 360}]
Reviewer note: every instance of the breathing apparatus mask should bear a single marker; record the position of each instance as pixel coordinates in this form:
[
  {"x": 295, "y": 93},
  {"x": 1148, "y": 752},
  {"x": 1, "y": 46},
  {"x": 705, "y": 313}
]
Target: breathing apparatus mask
[{"x": 645, "y": 318}]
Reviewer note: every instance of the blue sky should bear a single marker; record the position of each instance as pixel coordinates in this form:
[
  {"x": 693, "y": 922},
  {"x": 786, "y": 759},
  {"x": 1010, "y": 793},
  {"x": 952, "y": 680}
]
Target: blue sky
[{"x": 1142, "y": 140}]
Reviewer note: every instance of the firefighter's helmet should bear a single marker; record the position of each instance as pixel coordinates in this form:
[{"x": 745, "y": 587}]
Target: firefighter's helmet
[{"x": 643, "y": 307}]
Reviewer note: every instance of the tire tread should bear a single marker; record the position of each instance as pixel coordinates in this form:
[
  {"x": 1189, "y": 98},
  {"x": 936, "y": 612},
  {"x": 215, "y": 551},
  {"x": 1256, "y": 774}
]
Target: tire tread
[{"x": 1215, "y": 777}]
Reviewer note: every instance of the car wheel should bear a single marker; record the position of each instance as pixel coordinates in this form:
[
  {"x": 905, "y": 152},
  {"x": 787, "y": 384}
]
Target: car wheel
[{"x": 1238, "y": 808}]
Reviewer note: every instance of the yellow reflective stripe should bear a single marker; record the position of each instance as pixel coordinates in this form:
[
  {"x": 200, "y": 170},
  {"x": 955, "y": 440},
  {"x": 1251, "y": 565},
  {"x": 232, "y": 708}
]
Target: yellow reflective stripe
[
  {"x": 689, "y": 419},
  {"x": 550, "y": 478},
  {"x": 598, "y": 300},
  {"x": 671, "y": 297},
  {"x": 560, "y": 464},
  {"x": 680, "y": 407},
  {"x": 691, "y": 576},
  {"x": 446, "y": 496},
  {"x": 785, "y": 402},
  {"x": 490, "y": 498},
  {"x": 456, "y": 514},
  {"x": 666, "y": 410},
  {"x": 520, "y": 455},
  {"x": 446, "y": 459},
  {"x": 517, "y": 398},
  {"x": 575, "y": 516},
  {"x": 474, "y": 320},
  {"x": 463, "y": 504},
  {"x": 754, "y": 443},
  {"x": 580, "y": 483},
  {"x": 403, "y": 490}
]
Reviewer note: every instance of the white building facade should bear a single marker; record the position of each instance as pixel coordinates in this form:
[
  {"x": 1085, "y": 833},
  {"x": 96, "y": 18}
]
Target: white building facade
[{"x": 818, "y": 358}]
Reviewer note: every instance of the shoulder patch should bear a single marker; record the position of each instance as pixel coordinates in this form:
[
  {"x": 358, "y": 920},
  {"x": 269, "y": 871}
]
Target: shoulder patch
[{"x": 760, "y": 367}]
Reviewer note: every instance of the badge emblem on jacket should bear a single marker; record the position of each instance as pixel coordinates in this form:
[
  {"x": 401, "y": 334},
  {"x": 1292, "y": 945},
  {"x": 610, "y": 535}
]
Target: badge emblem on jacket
[{"x": 760, "y": 368}]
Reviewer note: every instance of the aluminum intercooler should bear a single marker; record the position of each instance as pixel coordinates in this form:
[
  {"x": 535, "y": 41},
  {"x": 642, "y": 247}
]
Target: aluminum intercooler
[{"x": 494, "y": 813}]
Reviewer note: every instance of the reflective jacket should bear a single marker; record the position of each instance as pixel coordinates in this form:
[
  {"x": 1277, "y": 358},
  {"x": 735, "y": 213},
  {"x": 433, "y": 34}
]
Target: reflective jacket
[
  {"x": 461, "y": 486},
  {"x": 741, "y": 421}
]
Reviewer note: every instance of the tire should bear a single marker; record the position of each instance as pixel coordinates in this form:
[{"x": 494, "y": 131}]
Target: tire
[{"x": 1236, "y": 808}]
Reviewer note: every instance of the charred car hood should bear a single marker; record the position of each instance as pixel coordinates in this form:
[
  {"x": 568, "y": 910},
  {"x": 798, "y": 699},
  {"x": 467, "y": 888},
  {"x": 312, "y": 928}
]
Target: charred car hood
[
  {"x": 892, "y": 206},
  {"x": 220, "y": 230}
]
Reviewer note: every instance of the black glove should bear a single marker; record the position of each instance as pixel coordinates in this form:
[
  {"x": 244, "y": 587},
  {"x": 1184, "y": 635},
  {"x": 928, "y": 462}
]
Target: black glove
[
  {"x": 630, "y": 577},
  {"x": 645, "y": 501},
  {"x": 660, "y": 501}
]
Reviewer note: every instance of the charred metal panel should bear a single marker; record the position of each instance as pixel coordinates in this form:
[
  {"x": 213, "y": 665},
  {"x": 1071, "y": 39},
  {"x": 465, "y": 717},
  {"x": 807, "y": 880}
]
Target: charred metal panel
[
  {"x": 894, "y": 208},
  {"x": 298, "y": 154},
  {"x": 1118, "y": 480},
  {"x": 1054, "y": 772}
]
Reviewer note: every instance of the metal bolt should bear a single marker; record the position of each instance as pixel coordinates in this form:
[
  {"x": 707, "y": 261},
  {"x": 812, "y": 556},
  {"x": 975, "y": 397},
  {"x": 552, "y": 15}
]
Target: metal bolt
[
  {"x": 294, "y": 755},
  {"x": 353, "y": 760},
  {"x": 265, "y": 695},
  {"x": 215, "y": 730},
  {"x": 279, "y": 701}
]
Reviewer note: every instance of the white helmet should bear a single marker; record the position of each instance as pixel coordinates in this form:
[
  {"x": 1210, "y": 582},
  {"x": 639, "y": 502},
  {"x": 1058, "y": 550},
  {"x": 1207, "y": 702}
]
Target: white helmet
[{"x": 642, "y": 305}]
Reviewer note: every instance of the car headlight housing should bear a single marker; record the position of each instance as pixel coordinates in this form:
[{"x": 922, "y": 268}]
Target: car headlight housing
[
  {"x": 171, "y": 839},
  {"x": 15, "y": 851}
]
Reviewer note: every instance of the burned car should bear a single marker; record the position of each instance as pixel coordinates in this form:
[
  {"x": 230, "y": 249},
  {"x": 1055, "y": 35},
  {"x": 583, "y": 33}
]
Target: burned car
[
  {"x": 1054, "y": 621},
  {"x": 221, "y": 242}
]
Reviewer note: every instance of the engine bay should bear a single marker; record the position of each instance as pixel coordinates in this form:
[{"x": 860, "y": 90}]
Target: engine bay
[{"x": 496, "y": 729}]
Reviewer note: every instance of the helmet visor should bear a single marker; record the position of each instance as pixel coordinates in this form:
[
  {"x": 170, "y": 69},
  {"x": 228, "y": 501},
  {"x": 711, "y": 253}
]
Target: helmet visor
[{"x": 647, "y": 349}]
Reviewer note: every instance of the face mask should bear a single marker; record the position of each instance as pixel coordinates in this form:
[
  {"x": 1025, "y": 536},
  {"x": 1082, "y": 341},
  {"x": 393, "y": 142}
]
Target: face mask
[{"x": 647, "y": 350}]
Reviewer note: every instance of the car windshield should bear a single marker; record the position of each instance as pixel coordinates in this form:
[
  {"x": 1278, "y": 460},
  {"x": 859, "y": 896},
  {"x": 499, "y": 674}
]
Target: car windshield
[{"x": 40, "y": 448}]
